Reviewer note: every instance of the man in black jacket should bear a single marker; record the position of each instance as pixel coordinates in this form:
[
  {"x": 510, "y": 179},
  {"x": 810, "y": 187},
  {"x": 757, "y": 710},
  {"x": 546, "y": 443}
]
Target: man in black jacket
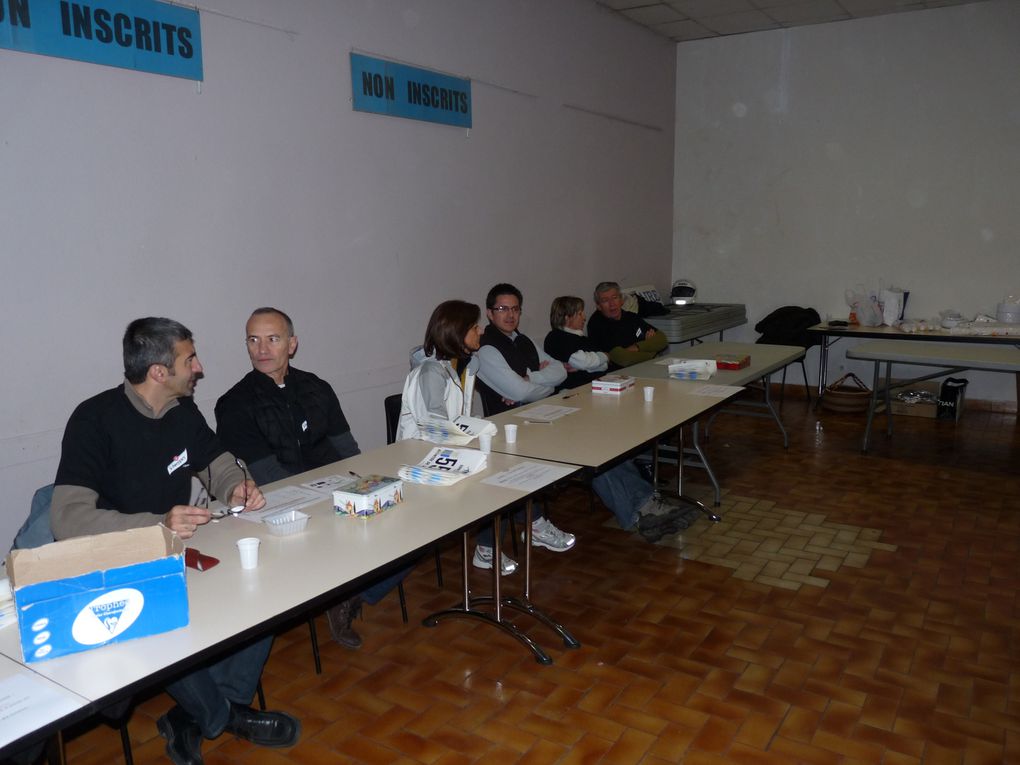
[{"x": 283, "y": 421}]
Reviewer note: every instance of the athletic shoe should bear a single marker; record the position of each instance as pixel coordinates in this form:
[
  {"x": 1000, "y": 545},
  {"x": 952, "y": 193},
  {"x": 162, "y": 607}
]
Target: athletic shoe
[
  {"x": 544, "y": 534},
  {"x": 483, "y": 559}
]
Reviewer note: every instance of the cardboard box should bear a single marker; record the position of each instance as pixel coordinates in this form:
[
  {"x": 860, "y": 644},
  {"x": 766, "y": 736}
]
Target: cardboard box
[
  {"x": 88, "y": 592},
  {"x": 927, "y": 407},
  {"x": 369, "y": 495}
]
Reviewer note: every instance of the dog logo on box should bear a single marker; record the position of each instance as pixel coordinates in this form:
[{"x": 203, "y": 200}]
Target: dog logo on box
[{"x": 107, "y": 616}]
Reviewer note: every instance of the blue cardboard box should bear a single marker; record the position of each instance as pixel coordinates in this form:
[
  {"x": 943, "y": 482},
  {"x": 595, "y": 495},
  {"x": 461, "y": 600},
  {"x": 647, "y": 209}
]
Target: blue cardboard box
[{"x": 88, "y": 592}]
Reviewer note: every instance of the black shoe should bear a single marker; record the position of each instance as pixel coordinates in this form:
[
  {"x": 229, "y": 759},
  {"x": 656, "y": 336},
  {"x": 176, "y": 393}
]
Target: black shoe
[
  {"x": 183, "y": 737},
  {"x": 263, "y": 728},
  {"x": 655, "y": 527},
  {"x": 339, "y": 618}
]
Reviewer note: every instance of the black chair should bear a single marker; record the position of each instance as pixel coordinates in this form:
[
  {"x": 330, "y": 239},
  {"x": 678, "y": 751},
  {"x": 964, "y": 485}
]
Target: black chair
[
  {"x": 788, "y": 326},
  {"x": 392, "y": 406}
]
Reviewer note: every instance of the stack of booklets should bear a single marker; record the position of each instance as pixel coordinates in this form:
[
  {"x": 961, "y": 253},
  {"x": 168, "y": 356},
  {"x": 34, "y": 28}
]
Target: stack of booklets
[
  {"x": 692, "y": 369},
  {"x": 612, "y": 384},
  {"x": 458, "y": 432},
  {"x": 444, "y": 466}
]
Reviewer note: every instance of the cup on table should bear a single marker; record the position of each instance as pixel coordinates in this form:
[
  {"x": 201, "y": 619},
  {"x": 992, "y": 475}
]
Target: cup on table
[
  {"x": 649, "y": 391},
  {"x": 485, "y": 442},
  {"x": 249, "y": 550},
  {"x": 511, "y": 433}
]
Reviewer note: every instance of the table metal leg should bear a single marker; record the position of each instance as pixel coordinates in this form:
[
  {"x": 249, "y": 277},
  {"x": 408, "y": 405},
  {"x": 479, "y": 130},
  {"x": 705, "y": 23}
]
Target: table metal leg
[
  {"x": 467, "y": 609},
  {"x": 871, "y": 409},
  {"x": 679, "y": 475}
]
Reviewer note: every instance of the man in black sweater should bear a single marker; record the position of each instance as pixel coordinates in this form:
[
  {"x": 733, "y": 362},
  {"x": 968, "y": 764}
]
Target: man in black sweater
[
  {"x": 283, "y": 421},
  {"x": 126, "y": 461}
]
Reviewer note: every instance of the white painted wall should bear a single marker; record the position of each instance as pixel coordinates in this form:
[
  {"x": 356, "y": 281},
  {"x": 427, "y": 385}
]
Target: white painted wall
[
  {"x": 125, "y": 194},
  {"x": 882, "y": 151}
]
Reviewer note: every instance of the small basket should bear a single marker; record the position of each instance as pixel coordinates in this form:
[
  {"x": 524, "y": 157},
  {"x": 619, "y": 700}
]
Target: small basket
[
  {"x": 286, "y": 523},
  {"x": 845, "y": 398}
]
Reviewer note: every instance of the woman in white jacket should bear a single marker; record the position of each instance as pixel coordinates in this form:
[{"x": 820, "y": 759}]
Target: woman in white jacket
[
  {"x": 442, "y": 381},
  {"x": 442, "y": 385}
]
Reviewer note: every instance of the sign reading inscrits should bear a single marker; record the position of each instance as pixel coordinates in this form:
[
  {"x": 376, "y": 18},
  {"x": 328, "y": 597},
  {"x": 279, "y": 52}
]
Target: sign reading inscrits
[
  {"x": 146, "y": 35},
  {"x": 385, "y": 87}
]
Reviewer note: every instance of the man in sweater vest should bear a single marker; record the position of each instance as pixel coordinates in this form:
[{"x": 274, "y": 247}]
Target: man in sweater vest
[{"x": 513, "y": 371}]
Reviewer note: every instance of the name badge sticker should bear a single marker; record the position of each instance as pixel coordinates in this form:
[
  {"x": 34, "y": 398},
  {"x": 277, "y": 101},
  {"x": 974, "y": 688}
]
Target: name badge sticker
[{"x": 179, "y": 461}]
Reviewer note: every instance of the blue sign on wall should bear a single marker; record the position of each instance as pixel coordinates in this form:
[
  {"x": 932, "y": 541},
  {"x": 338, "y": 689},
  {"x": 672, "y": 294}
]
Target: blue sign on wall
[
  {"x": 385, "y": 87},
  {"x": 134, "y": 34}
]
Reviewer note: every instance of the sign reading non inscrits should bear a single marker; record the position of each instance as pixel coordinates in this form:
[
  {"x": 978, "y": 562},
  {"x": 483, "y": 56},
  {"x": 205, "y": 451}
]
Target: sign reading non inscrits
[
  {"x": 146, "y": 35},
  {"x": 385, "y": 87}
]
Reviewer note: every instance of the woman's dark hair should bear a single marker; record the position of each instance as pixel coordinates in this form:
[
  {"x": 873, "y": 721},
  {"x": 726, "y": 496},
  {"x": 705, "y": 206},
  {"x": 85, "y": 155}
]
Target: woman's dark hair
[
  {"x": 562, "y": 309},
  {"x": 449, "y": 323}
]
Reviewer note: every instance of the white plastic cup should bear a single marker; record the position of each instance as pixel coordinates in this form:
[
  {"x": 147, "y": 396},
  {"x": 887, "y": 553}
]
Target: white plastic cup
[
  {"x": 649, "y": 391},
  {"x": 485, "y": 442},
  {"x": 511, "y": 433},
  {"x": 249, "y": 549}
]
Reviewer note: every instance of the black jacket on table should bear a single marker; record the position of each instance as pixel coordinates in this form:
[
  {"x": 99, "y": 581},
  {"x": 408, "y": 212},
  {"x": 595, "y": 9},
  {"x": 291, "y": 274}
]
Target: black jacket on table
[{"x": 281, "y": 432}]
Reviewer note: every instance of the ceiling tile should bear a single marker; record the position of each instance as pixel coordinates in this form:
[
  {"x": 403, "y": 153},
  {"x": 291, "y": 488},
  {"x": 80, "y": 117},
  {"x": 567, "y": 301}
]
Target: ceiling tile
[
  {"x": 738, "y": 23},
  {"x": 685, "y": 30},
  {"x": 650, "y": 15},
  {"x": 700, "y": 9},
  {"x": 812, "y": 12}
]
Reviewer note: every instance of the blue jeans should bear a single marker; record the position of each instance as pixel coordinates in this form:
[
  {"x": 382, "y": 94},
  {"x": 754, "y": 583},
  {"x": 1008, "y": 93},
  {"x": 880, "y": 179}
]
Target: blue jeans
[
  {"x": 380, "y": 589},
  {"x": 206, "y": 693},
  {"x": 623, "y": 491}
]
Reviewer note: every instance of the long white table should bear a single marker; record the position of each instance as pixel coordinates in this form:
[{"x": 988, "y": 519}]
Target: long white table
[
  {"x": 830, "y": 335},
  {"x": 765, "y": 359},
  {"x": 228, "y": 604},
  {"x": 608, "y": 426},
  {"x": 951, "y": 358}
]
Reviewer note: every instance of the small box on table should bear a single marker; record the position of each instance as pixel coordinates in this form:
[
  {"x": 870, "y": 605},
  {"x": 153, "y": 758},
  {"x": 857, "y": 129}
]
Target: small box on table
[
  {"x": 612, "y": 384},
  {"x": 91, "y": 591},
  {"x": 368, "y": 495},
  {"x": 732, "y": 361}
]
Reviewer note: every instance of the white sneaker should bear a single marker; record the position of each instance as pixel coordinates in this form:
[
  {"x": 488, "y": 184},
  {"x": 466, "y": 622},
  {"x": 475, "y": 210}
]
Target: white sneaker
[
  {"x": 544, "y": 534},
  {"x": 483, "y": 559}
]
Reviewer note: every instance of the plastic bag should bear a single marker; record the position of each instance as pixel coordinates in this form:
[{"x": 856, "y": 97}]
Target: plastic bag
[
  {"x": 893, "y": 301},
  {"x": 864, "y": 306}
]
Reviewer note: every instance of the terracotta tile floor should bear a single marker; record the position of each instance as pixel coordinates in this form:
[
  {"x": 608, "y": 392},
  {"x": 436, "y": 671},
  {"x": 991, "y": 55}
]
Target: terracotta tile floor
[{"x": 899, "y": 643}]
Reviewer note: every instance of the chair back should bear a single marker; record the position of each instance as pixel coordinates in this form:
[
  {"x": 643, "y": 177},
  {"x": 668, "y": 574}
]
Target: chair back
[
  {"x": 392, "y": 405},
  {"x": 35, "y": 531},
  {"x": 788, "y": 326}
]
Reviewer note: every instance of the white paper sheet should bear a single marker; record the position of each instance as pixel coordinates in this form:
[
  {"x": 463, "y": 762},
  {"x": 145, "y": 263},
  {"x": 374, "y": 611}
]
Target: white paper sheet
[
  {"x": 285, "y": 498},
  {"x": 545, "y": 412},
  {"x": 327, "y": 485},
  {"x": 529, "y": 476},
  {"x": 27, "y": 702}
]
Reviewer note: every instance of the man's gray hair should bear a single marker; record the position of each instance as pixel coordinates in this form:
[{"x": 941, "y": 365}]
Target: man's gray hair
[
  {"x": 605, "y": 287},
  {"x": 270, "y": 310},
  {"x": 149, "y": 341}
]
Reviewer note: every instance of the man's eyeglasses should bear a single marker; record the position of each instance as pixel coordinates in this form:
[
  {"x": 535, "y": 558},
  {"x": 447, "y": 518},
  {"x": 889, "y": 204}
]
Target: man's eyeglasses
[{"x": 514, "y": 309}]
